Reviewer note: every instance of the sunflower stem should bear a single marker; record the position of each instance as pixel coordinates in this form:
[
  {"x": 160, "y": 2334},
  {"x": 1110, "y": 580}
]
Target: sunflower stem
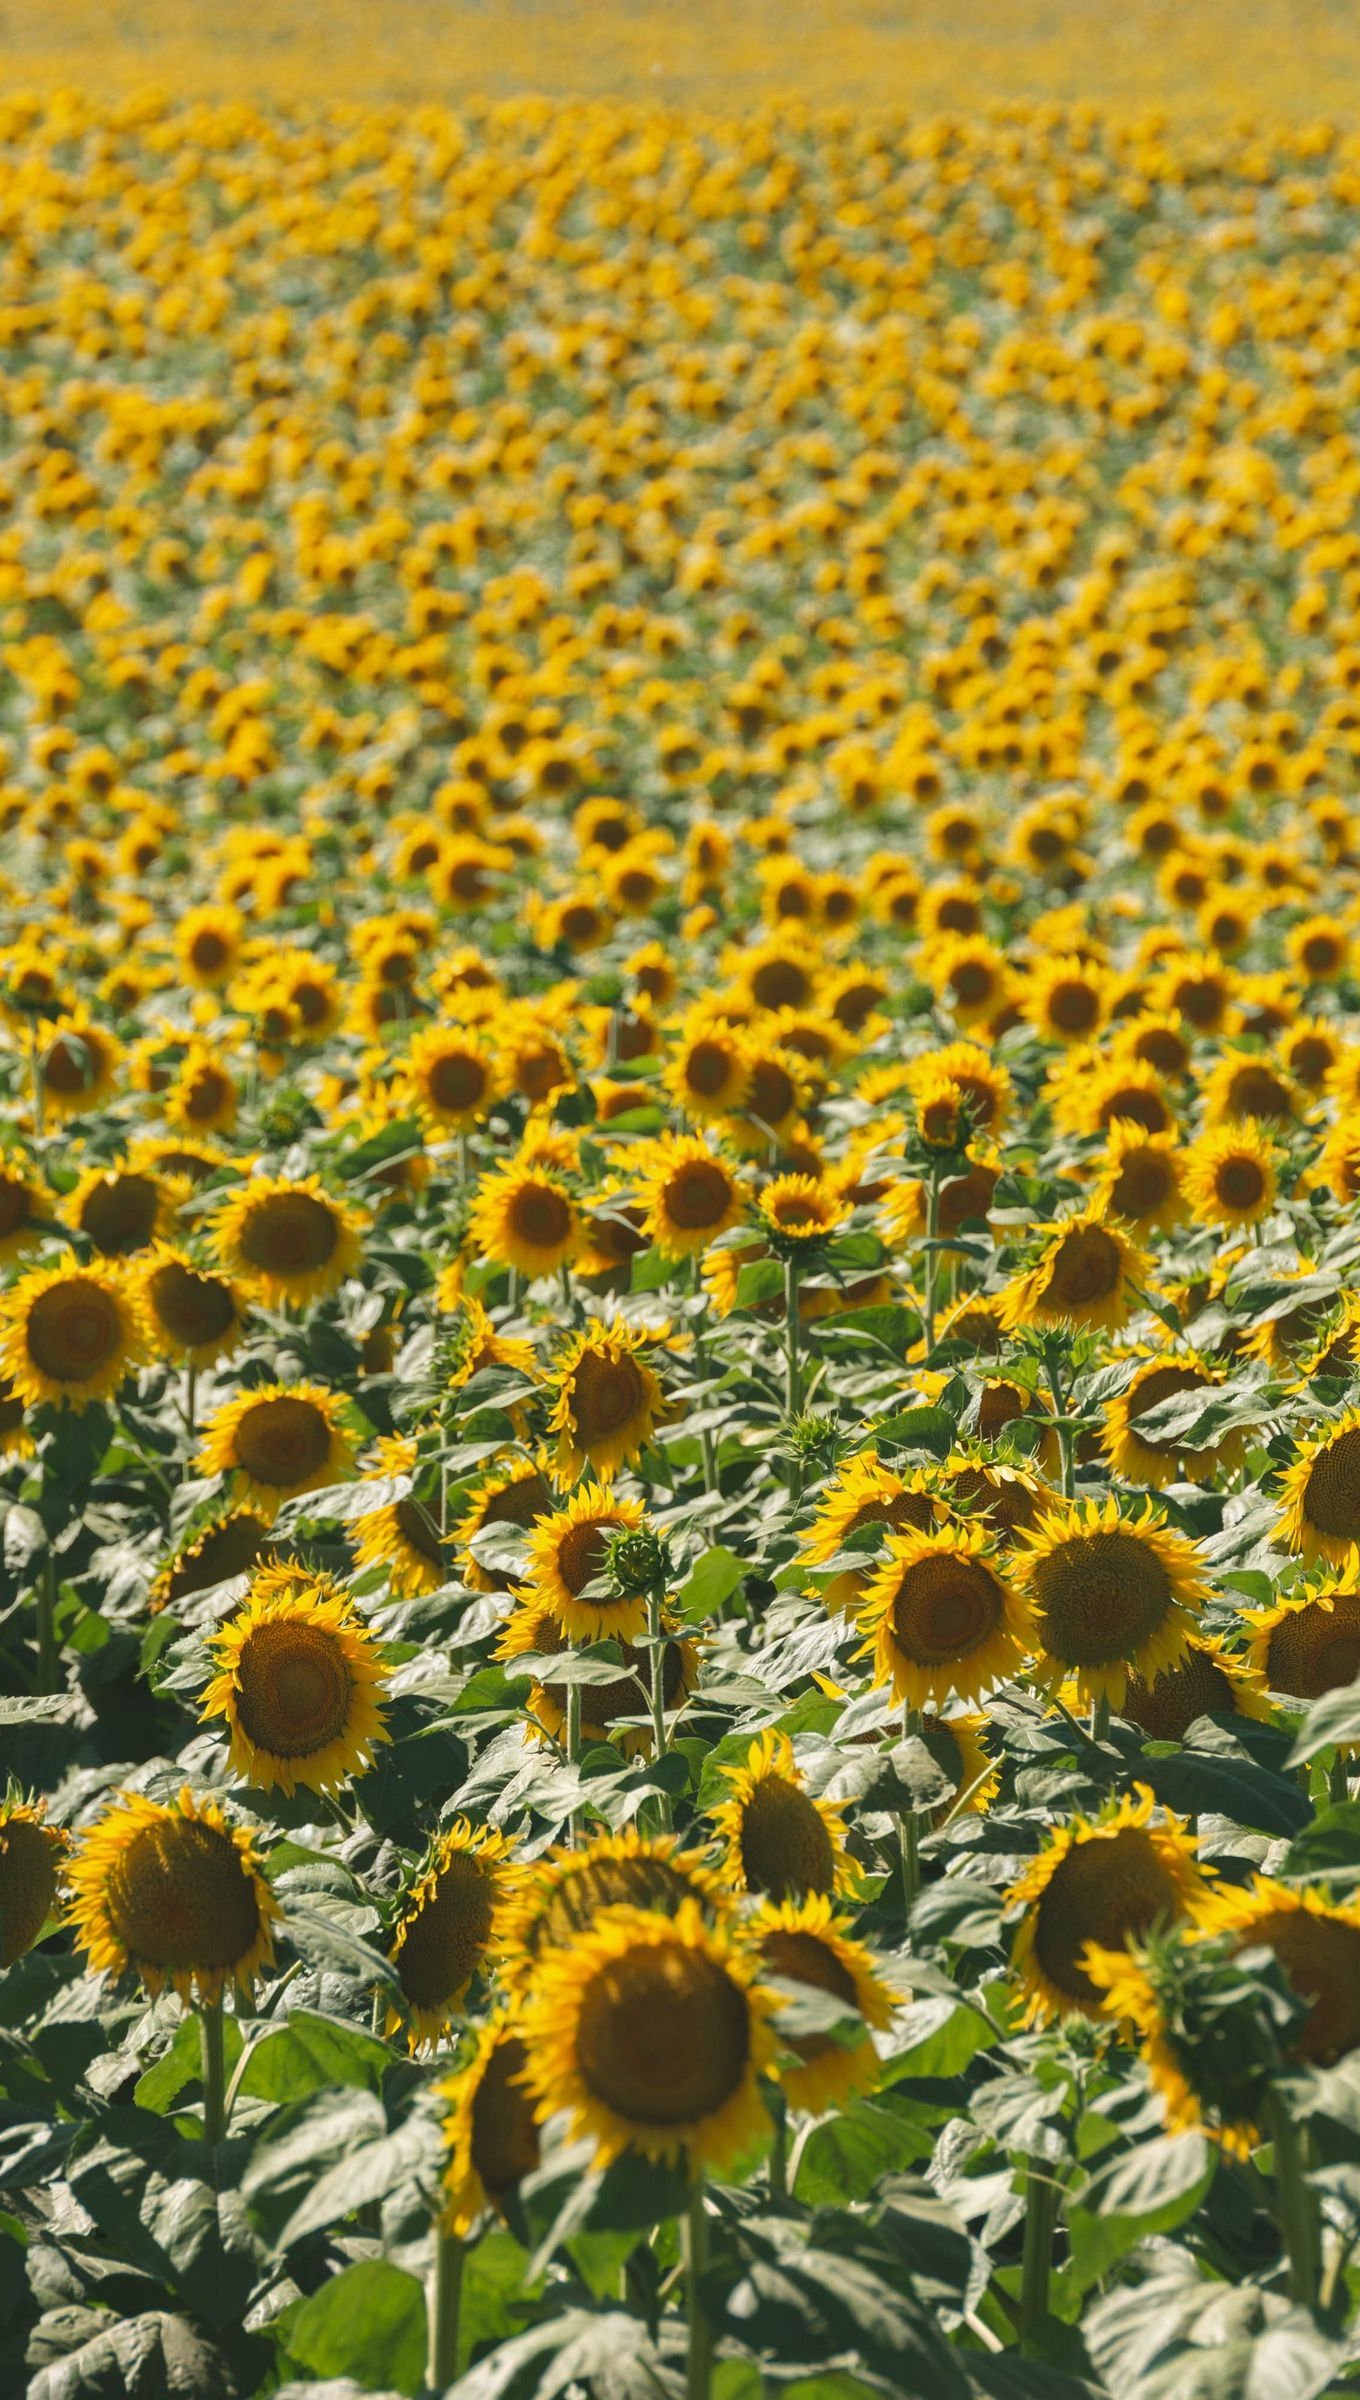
[
  {"x": 779, "y": 2148},
  {"x": 1041, "y": 2214},
  {"x": 932, "y": 1236},
  {"x": 445, "y": 2309},
  {"x": 658, "y": 1649},
  {"x": 1295, "y": 2206},
  {"x": 1064, "y": 1429},
  {"x": 1338, "y": 1781},
  {"x": 1100, "y": 1717},
  {"x": 190, "y": 1400},
  {"x": 46, "y": 1605},
  {"x": 36, "y": 1075},
  {"x": 699, "y": 2373},
  {"x": 907, "y": 1824},
  {"x": 214, "y": 2053},
  {"x": 793, "y": 1392}
]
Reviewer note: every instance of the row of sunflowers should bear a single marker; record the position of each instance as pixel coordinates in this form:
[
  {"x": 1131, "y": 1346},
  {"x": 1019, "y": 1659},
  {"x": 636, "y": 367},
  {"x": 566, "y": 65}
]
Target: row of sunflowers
[{"x": 680, "y": 1018}]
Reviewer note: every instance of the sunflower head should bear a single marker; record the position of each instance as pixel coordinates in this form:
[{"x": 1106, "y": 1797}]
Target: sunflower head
[
  {"x": 515, "y": 1494},
  {"x": 606, "y": 1399},
  {"x": 1316, "y": 1941},
  {"x": 286, "y": 1240},
  {"x": 652, "y": 2032},
  {"x": 1109, "y": 1593},
  {"x": 1082, "y": 1277},
  {"x": 805, "y": 1942},
  {"x": 863, "y": 1494},
  {"x": 798, "y": 1217},
  {"x": 69, "y": 1334},
  {"x": 278, "y": 1440},
  {"x": 1232, "y": 1175},
  {"x": 939, "y": 1616},
  {"x": 1309, "y": 1643},
  {"x": 524, "y": 1216},
  {"x": 551, "y": 1904},
  {"x": 1139, "y": 1456},
  {"x": 173, "y": 1894},
  {"x": 1106, "y": 1881},
  {"x": 447, "y": 1927},
  {"x": 31, "y": 1855},
  {"x": 490, "y": 2125},
  {"x": 300, "y": 1681},
  {"x": 568, "y": 1555},
  {"x": 1320, "y": 1494},
  {"x": 779, "y": 1841},
  {"x": 689, "y": 1194},
  {"x": 189, "y": 1314}
]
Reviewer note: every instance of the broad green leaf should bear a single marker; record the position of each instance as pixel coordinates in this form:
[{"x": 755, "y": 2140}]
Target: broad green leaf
[
  {"x": 1333, "y": 1718},
  {"x": 846, "y": 2155},
  {"x": 367, "y": 2322},
  {"x": 151, "y": 2357},
  {"x": 160, "y": 2087},
  {"x": 365, "y": 2174},
  {"x": 711, "y": 1581},
  {"x": 309, "y": 2052},
  {"x": 1150, "y": 2190}
]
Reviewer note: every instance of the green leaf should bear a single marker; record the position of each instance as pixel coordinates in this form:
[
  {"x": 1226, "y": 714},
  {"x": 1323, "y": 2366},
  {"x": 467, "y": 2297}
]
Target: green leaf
[
  {"x": 150, "y": 2357},
  {"x": 760, "y": 1280},
  {"x": 920, "y": 1429},
  {"x": 610, "y": 2357},
  {"x": 160, "y": 2087},
  {"x": 1149, "y": 2190},
  {"x": 368, "y": 2322},
  {"x": 366, "y": 2174},
  {"x": 812, "y": 2303},
  {"x": 649, "y": 1270},
  {"x": 845, "y": 2156},
  {"x": 326, "y": 1941},
  {"x": 311, "y": 2052},
  {"x": 1333, "y": 1718},
  {"x": 711, "y": 1581}
]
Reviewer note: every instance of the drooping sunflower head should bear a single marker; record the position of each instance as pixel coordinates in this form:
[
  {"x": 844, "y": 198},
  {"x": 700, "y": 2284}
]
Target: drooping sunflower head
[
  {"x": 69, "y": 1334},
  {"x": 515, "y": 1494},
  {"x": 652, "y": 2032},
  {"x": 551, "y": 1904},
  {"x": 447, "y": 1927},
  {"x": 230, "y": 1544},
  {"x": 525, "y": 1217},
  {"x": 1142, "y": 1457},
  {"x": 1109, "y": 1593},
  {"x": 805, "y": 1942},
  {"x": 779, "y": 1841},
  {"x": 286, "y": 1240},
  {"x": 173, "y": 1894},
  {"x": 31, "y": 1856},
  {"x": 1106, "y": 1880},
  {"x": 1320, "y": 1495},
  {"x": 300, "y": 1681},
  {"x": 1232, "y": 1175},
  {"x": 279, "y": 1440},
  {"x": 568, "y": 1555},
  {"x": 607, "y": 1401},
  {"x": 1209, "y": 1681},
  {"x": 1085, "y": 1276},
  {"x": 940, "y": 1618},
  {"x": 991, "y": 1490},
  {"x": 490, "y": 2123},
  {"x": 190, "y": 1314},
  {"x": 689, "y": 1192},
  {"x": 864, "y": 1493},
  {"x": 1317, "y": 1942}
]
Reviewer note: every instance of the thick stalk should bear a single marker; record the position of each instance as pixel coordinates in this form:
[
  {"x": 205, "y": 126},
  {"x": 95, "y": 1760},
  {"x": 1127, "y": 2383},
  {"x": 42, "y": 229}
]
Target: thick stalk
[
  {"x": 658, "y": 1648},
  {"x": 1295, "y": 2206},
  {"x": 779, "y": 2149},
  {"x": 1100, "y": 1718},
  {"x": 444, "y": 2309},
  {"x": 793, "y": 1379},
  {"x": 36, "y": 1075},
  {"x": 1064, "y": 1430},
  {"x": 908, "y": 1826},
  {"x": 49, "y": 1657},
  {"x": 214, "y": 2054},
  {"x": 699, "y": 2374},
  {"x": 932, "y": 1236},
  {"x": 1338, "y": 1781},
  {"x": 1041, "y": 2212},
  {"x": 701, "y": 1363}
]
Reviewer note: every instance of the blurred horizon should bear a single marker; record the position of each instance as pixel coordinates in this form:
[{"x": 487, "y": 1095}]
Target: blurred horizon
[{"x": 1200, "y": 60}]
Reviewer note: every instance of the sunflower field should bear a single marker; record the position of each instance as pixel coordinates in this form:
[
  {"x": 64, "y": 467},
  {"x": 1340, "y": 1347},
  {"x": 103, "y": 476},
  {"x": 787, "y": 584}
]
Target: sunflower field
[{"x": 679, "y": 1216}]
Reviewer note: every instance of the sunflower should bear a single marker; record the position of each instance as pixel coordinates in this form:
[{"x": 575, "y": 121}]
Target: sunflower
[
  {"x": 1092, "y": 1094},
  {"x": 1137, "y": 1458},
  {"x": 1081, "y": 1278},
  {"x": 69, "y": 1334},
  {"x": 567, "y": 1554},
  {"x": 490, "y": 2127},
  {"x": 447, "y": 1928},
  {"x": 517, "y": 1494},
  {"x": 1232, "y": 1175},
  {"x": 402, "y": 1535},
  {"x": 1319, "y": 949},
  {"x": 1243, "y": 1088},
  {"x": 1140, "y": 1179},
  {"x": 1338, "y": 1350},
  {"x": 806, "y": 1942},
  {"x": 1066, "y": 999},
  {"x": 452, "y": 1077},
  {"x": 1309, "y": 1642},
  {"x": 1110, "y": 1594},
  {"x": 31, "y": 1856},
  {"x": 616, "y": 1712},
  {"x": 982, "y": 1082},
  {"x": 606, "y": 1400},
  {"x": 203, "y": 1097},
  {"x": 278, "y": 1440},
  {"x": 1320, "y": 1494},
  {"x": 1317, "y": 1943},
  {"x": 711, "y": 1073},
  {"x": 939, "y": 1618},
  {"x": 525, "y": 1217},
  {"x": 550, "y": 1904},
  {"x": 188, "y": 1313},
  {"x": 689, "y": 1193},
  {"x": 1192, "y": 2102},
  {"x": 863, "y": 1493},
  {"x": 780, "y": 1842},
  {"x": 300, "y": 1680},
  {"x": 652, "y": 2032},
  {"x": 994, "y": 1493},
  {"x": 230, "y": 1544},
  {"x": 120, "y": 1210},
  {"x": 208, "y": 945},
  {"x": 77, "y": 1065},
  {"x": 958, "y": 1745},
  {"x": 23, "y": 1208},
  {"x": 1207, "y": 1682},
  {"x": 1106, "y": 1881},
  {"x": 799, "y": 1213},
  {"x": 286, "y": 1240},
  {"x": 173, "y": 1894}
]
